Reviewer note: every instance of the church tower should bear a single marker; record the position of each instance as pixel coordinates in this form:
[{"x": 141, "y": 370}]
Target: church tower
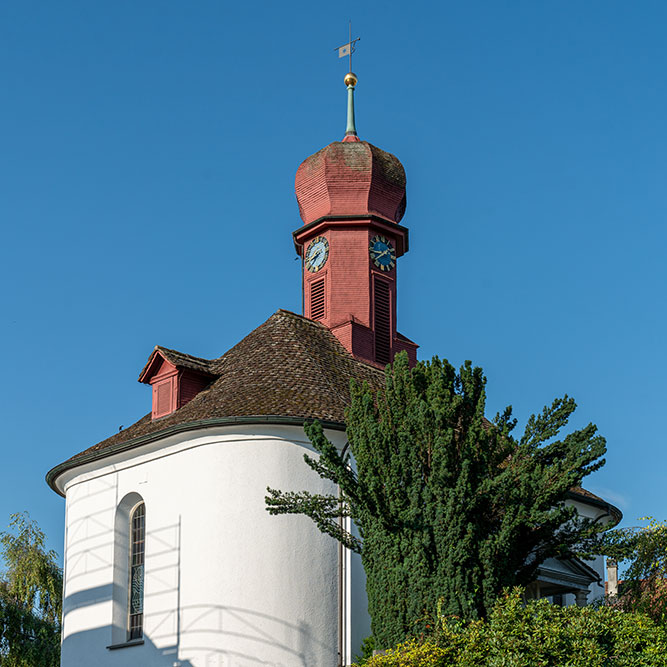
[{"x": 351, "y": 198}]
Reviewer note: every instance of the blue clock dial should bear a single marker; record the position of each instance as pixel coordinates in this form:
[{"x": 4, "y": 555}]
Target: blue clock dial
[
  {"x": 382, "y": 253},
  {"x": 317, "y": 254}
]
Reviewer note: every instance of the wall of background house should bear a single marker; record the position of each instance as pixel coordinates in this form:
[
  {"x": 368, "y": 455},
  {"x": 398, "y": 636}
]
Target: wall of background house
[{"x": 596, "y": 590}]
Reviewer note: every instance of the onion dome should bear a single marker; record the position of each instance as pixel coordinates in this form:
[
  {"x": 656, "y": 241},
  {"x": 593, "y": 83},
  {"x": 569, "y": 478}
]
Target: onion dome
[{"x": 351, "y": 178}]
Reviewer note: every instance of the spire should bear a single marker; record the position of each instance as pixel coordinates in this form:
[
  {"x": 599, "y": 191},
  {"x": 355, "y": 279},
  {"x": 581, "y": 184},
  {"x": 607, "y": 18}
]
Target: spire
[{"x": 350, "y": 82}]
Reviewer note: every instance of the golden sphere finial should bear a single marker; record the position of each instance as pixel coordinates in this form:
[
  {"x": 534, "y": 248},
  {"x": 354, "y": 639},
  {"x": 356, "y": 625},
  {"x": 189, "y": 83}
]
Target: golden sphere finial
[{"x": 350, "y": 79}]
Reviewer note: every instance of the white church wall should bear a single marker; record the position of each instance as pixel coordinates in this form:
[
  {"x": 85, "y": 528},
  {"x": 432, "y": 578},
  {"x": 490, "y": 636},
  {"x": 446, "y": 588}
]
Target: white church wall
[
  {"x": 356, "y": 603},
  {"x": 225, "y": 582}
]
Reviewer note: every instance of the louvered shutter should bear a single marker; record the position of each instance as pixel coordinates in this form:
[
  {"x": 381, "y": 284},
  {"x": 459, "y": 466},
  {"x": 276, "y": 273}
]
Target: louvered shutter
[
  {"x": 163, "y": 402},
  {"x": 382, "y": 321},
  {"x": 317, "y": 300}
]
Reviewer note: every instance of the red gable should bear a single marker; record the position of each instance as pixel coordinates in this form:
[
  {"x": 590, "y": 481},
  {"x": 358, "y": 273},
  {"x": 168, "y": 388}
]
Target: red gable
[{"x": 176, "y": 379}]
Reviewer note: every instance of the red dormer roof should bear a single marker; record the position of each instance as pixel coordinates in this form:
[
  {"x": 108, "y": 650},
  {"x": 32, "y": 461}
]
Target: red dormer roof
[
  {"x": 176, "y": 379},
  {"x": 176, "y": 360}
]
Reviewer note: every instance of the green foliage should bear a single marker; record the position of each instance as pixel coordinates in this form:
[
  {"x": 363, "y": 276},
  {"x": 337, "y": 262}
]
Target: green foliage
[
  {"x": 30, "y": 598},
  {"x": 450, "y": 507},
  {"x": 538, "y": 634},
  {"x": 413, "y": 652},
  {"x": 367, "y": 648},
  {"x": 644, "y": 586}
]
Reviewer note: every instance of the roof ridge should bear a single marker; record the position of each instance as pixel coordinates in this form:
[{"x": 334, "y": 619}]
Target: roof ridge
[
  {"x": 214, "y": 362},
  {"x": 281, "y": 311},
  {"x": 317, "y": 361},
  {"x": 185, "y": 354},
  {"x": 303, "y": 318},
  {"x": 319, "y": 325}
]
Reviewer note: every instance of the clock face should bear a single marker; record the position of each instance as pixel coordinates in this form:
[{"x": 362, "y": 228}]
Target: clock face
[
  {"x": 382, "y": 253},
  {"x": 317, "y": 253}
]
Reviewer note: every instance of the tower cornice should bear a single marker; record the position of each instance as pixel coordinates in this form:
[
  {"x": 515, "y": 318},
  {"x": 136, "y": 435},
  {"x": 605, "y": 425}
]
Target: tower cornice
[{"x": 400, "y": 232}]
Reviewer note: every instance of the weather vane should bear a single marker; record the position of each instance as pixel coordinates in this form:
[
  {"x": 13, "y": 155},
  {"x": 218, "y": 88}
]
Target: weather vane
[
  {"x": 348, "y": 49},
  {"x": 350, "y": 81}
]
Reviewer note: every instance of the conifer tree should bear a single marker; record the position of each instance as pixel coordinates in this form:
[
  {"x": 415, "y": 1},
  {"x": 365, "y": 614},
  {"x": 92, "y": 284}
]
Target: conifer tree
[{"x": 450, "y": 507}]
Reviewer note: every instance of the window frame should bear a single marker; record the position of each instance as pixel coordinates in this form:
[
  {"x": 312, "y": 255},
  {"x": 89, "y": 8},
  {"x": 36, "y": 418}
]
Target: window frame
[
  {"x": 120, "y": 588},
  {"x": 136, "y": 551}
]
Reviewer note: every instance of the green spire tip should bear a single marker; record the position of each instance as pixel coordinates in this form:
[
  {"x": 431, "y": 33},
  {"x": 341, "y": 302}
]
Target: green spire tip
[{"x": 350, "y": 82}]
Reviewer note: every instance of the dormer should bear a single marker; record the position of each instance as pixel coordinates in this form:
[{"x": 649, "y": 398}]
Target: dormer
[{"x": 176, "y": 379}]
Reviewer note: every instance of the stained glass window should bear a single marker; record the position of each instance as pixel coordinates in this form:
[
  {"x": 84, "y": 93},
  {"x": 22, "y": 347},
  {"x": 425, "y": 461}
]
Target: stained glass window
[{"x": 137, "y": 550}]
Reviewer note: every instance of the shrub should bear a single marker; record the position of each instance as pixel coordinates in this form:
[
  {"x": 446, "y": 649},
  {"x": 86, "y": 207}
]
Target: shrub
[{"x": 538, "y": 634}]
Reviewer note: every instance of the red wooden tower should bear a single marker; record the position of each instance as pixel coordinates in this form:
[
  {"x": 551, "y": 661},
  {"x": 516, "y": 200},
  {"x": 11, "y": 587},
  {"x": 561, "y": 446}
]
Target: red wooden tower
[{"x": 351, "y": 198}]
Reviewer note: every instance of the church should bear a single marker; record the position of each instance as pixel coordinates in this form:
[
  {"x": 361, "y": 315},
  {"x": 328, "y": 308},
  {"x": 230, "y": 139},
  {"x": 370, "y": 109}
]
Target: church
[{"x": 170, "y": 556}]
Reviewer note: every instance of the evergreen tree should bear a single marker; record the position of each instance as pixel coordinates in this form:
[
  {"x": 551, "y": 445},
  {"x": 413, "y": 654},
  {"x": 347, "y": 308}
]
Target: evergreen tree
[
  {"x": 451, "y": 508},
  {"x": 30, "y": 598}
]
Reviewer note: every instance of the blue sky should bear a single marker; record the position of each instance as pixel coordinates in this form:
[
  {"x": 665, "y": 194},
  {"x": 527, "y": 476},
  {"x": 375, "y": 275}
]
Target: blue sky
[{"x": 148, "y": 152}]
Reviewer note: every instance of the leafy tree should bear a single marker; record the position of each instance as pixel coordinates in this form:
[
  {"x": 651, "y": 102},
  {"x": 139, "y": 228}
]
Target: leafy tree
[
  {"x": 30, "y": 598},
  {"x": 644, "y": 585},
  {"x": 449, "y": 506}
]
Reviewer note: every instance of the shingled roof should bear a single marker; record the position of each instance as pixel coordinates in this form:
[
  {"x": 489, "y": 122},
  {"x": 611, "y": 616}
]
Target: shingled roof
[{"x": 289, "y": 367}]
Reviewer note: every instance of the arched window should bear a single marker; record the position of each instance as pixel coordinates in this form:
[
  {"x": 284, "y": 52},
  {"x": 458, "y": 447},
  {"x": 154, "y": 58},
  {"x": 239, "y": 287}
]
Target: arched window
[
  {"x": 136, "y": 583},
  {"x": 127, "y": 623}
]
